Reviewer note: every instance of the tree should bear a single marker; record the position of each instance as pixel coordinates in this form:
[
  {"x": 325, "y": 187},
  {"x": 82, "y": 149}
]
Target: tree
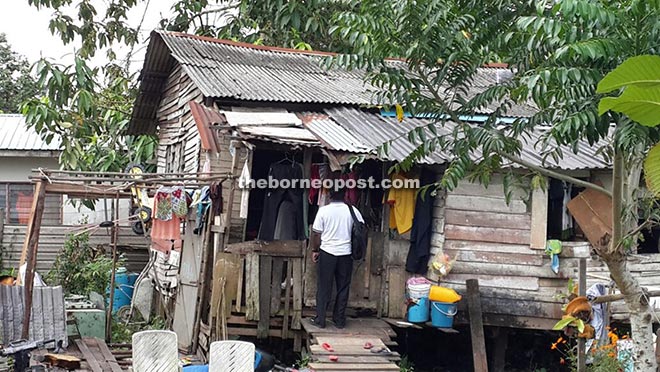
[
  {"x": 293, "y": 24},
  {"x": 16, "y": 83},
  {"x": 89, "y": 108},
  {"x": 559, "y": 52}
]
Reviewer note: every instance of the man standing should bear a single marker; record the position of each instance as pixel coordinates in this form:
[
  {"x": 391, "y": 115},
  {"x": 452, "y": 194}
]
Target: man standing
[{"x": 331, "y": 248}]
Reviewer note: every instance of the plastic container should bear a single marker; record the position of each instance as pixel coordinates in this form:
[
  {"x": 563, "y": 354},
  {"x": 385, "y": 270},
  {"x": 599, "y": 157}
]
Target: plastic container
[
  {"x": 417, "y": 291},
  {"x": 442, "y": 314},
  {"x": 419, "y": 312},
  {"x": 442, "y": 294},
  {"x": 124, "y": 285}
]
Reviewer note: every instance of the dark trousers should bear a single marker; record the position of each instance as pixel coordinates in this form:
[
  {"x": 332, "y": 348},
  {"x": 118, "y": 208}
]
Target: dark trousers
[{"x": 339, "y": 269}]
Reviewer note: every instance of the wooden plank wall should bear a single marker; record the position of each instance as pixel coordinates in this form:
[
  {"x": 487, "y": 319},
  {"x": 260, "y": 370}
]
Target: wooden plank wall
[
  {"x": 490, "y": 241},
  {"x": 179, "y": 144},
  {"x": 645, "y": 268},
  {"x": 222, "y": 163},
  {"x": 51, "y": 241}
]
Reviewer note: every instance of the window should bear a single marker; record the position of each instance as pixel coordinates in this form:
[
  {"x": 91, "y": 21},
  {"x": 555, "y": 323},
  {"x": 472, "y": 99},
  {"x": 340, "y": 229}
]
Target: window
[{"x": 16, "y": 200}]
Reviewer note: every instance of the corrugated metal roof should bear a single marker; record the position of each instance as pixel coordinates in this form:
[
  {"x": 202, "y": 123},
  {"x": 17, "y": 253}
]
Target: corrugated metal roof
[
  {"x": 587, "y": 157},
  {"x": 15, "y": 135},
  {"x": 205, "y": 119},
  {"x": 334, "y": 136},
  {"x": 374, "y": 130},
  {"x": 231, "y": 70}
]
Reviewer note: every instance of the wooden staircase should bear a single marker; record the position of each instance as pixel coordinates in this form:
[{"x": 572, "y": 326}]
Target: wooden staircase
[{"x": 347, "y": 345}]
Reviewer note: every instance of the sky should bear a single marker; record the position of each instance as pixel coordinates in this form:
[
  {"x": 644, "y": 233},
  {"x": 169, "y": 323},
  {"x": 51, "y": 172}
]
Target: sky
[{"x": 27, "y": 29}]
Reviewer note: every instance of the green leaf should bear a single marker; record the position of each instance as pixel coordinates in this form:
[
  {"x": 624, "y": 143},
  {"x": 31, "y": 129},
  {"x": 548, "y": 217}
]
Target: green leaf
[
  {"x": 579, "y": 324},
  {"x": 563, "y": 323},
  {"x": 641, "y": 70},
  {"x": 639, "y": 104},
  {"x": 652, "y": 170}
]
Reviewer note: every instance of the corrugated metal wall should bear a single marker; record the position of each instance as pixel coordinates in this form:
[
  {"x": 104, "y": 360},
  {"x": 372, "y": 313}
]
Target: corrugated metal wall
[
  {"x": 51, "y": 240},
  {"x": 48, "y": 320}
]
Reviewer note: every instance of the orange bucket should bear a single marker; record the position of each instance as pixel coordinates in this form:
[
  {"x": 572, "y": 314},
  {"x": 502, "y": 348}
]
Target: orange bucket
[{"x": 442, "y": 294}]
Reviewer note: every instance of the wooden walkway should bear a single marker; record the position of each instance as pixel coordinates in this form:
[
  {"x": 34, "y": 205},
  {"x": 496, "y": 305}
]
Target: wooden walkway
[{"x": 347, "y": 345}]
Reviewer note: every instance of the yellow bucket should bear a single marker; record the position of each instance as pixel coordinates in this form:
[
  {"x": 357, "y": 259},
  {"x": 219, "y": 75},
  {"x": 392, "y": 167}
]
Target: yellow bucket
[{"x": 442, "y": 294}]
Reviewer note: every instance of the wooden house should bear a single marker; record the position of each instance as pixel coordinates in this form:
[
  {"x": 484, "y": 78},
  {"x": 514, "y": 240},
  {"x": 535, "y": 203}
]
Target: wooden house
[{"x": 218, "y": 106}]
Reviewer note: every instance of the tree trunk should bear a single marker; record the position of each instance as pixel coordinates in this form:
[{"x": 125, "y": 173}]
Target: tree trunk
[{"x": 641, "y": 320}]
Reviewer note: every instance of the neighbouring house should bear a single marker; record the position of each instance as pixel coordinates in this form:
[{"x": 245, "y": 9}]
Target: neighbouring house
[
  {"x": 22, "y": 150},
  {"x": 220, "y": 106}
]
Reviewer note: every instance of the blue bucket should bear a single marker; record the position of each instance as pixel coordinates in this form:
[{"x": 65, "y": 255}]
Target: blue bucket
[
  {"x": 124, "y": 285},
  {"x": 419, "y": 312},
  {"x": 442, "y": 314}
]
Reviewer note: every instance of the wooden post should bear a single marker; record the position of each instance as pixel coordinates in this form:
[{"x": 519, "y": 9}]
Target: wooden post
[
  {"x": 265, "y": 275},
  {"x": 230, "y": 199},
  {"x": 307, "y": 174},
  {"x": 113, "y": 243},
  {"x": 582, "y": 291},
  {"x": 476, "y": 326},
  {"x": 500, "y": 343},
  {"x": 29, "y": 254},
  {"x": 657, "y": 346},
  {"x": 205, "y": 278}
]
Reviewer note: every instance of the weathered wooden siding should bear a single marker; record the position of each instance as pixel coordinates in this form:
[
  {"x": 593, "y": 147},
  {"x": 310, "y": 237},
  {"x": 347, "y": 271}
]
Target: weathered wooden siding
[
  {"x": 178, "y": 145},
  {"x": 645, "y": 267},
  {"x": 51, "y": 241},
  {"x": 222, "y": 163},
  {"x": 490, "y": 240}
]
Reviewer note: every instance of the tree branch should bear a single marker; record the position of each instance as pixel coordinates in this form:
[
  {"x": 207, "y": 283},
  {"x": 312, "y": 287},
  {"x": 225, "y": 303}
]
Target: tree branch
[
  {"x": 546, "y": 172},
  {"x": 557, "y": 175}
]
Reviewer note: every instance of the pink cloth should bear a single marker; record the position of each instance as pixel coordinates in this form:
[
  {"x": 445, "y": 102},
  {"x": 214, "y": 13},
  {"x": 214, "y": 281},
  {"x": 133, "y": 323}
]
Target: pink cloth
[{"x": 165, "y": 235}]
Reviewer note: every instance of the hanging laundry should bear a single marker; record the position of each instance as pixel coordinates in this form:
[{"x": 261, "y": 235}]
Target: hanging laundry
[
  {"x": 179, "y": 201},
  {"x": 201, "y": 202},
  {"x": 318, "y": 172},
  {"x": 244, "y": 180},
  {"x": 216, "y": 198},
  {"x": 351, "y": 196},
  {"x": 420, "y": 235},
  {"x": 402, "y": 206},
  {"x": 165, "y": 234},
  {"x": 163, "y": 204},
  {"x": 553, "y": 249},
  {"x": 282, "y": 170}
]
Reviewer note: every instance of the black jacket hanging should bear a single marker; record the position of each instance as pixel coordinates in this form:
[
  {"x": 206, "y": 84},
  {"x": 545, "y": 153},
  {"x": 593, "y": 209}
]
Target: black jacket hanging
[
  {"x": 273, "y": 201},
  {"x": 420, "y": 234}
]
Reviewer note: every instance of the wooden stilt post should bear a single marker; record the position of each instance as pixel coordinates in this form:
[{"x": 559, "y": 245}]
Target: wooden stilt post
[
  {"x": 29, "y": 254},
  {"x": 232, "y": 191},
  {"x": 582, "y": 291},
  {"x": 500, "y": 344},
  {"x": 476, "y": 326},
  {"x": 113, "y": 244}
]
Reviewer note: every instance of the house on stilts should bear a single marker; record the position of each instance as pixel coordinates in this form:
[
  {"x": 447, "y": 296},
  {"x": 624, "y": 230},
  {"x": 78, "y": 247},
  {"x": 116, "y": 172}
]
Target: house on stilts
[{"x": 220, "y": 106}]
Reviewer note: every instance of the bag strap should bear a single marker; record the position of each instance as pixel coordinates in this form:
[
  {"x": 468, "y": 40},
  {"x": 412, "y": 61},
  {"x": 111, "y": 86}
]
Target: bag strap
[{"x": 350, "y": 209}]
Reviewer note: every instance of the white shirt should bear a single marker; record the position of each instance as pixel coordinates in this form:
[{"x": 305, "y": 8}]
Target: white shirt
[{"x": 334, "y": 223}]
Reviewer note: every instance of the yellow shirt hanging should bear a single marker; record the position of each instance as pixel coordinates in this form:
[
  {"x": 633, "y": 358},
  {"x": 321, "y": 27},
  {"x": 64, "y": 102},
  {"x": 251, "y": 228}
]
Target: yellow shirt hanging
[{"x": 402, "y": 206}]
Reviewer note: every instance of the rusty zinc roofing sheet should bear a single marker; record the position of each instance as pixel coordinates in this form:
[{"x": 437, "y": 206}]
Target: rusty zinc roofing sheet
[
  {"x": 373, "y": 130},
  {"x": 246, "y": 73},
  {"x": 15, "y": 135}
]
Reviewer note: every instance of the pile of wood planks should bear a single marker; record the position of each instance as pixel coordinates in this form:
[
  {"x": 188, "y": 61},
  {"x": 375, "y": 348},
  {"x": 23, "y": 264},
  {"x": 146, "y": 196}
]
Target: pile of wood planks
[{"x": 97, "y": 356}]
